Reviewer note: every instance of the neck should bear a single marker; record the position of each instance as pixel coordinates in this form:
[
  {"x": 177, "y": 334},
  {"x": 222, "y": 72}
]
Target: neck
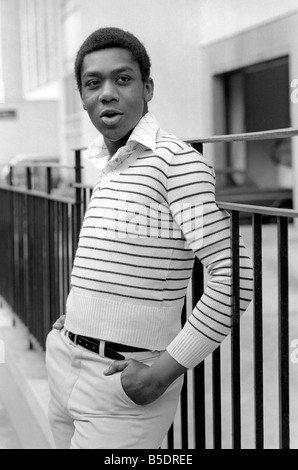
[{"x": 113, "y": 147}]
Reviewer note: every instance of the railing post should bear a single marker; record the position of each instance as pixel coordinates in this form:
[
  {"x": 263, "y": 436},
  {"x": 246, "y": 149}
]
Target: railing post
[
  {"x": 198, "y": 146},
  {"x": 78, "y": 195},
  {"x": 49, "y": 180},
  {"x": 29, "y": 178},
  {"x": 283, "y": 332},
  {"x": 10, "y": 177},
  {"x": 235, "y": 336},
  {"x": 258, "y": 331},
  {"x": 184, "y": 399},
  {"x": 216, "y": 398},
  {"x": 199, "y": 370}
]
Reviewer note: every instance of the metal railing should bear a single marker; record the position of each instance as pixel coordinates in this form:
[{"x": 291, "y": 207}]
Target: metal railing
[{"x": 39, "y": 234}]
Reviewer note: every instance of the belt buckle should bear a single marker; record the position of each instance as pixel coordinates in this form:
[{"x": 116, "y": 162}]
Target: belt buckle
[{"x": 74, "y": 339}]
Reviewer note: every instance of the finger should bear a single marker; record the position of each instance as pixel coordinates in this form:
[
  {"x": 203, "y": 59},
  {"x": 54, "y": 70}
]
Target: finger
[
  {"x": 58, "y": 325},
  {"x": 116, "y": 366}
]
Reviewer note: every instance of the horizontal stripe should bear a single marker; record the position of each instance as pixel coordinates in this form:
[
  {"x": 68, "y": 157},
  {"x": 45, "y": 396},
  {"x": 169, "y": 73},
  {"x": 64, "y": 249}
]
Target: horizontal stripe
[
  {"x": 144, "y": 175},
  {"x": 193, "y": 196},
  {"x": 116, "y": 283},
  {"x": 182, "y": 186},
  {"x": 135, "y": 255},
  {"x": 204, "y": 334},
  {"x": 137, "y": 265},
  {"x": 191, "y": 173},
  {"x": 171, "y": 188}
]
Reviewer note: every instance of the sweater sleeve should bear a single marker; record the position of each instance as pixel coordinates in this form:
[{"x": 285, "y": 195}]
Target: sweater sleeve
[{"x": 207, "y": 230}]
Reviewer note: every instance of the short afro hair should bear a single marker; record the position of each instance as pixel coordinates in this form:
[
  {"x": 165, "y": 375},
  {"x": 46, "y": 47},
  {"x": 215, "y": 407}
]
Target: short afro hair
[{"x": 109, "y": 37}]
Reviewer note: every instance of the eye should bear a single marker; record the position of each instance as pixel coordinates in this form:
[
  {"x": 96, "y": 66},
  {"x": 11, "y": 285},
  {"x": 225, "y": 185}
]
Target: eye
[
  {"x": 123, "y": 79},
  {"x": 92, "y": 83}
]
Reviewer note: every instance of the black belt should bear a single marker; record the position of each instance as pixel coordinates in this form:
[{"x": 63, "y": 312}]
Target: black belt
[{"x": 111, "y": 350}]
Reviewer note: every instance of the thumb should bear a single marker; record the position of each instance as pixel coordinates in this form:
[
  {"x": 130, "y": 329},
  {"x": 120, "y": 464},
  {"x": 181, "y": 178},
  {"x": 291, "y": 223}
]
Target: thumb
[{"x": 116, "y": 366}]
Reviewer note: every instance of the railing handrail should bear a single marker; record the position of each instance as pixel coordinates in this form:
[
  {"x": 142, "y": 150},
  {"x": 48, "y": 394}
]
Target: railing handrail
[
  {"x": 249, "y": 208},
  {"x": 246, "y": 136},
  {"x": 37, "y": 193},
  {"x": 264, "y": 210},
  {"x": 37, "y": 165}
]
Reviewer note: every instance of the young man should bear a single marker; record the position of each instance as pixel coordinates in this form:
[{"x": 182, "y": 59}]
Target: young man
[{"x": 116, "y": 367}]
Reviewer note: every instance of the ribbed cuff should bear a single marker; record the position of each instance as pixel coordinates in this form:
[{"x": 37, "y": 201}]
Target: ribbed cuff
[{"x": 189, "y": 348}]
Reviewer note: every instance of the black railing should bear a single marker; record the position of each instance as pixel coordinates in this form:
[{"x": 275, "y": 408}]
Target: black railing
[{"x": 39, "y": 234}]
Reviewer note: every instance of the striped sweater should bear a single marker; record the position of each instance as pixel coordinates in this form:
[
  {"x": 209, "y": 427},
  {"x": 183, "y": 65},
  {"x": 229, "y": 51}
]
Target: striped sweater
[{"x": 152, "y": 211}]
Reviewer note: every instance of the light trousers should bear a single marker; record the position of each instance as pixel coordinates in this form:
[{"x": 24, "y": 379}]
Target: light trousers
[{"x": 89, "y": 410}]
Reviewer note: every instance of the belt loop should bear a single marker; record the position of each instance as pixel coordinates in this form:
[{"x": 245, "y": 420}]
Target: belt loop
[{"x": 102, "y": 345}]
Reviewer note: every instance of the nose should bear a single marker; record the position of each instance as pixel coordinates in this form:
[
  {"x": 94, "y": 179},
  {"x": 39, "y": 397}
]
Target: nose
[{"x": 109, "y": 92}]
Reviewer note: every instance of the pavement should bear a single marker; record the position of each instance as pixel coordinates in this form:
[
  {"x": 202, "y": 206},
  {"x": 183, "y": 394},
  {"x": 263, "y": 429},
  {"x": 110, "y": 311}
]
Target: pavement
[
  {"x": 8, "y": 435},
  {"x": 9, "y": 439}
]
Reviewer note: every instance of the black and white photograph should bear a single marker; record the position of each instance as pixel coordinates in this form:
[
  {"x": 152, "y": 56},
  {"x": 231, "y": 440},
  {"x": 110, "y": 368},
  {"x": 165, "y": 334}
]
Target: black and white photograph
[{"x": 148, "y": 227}]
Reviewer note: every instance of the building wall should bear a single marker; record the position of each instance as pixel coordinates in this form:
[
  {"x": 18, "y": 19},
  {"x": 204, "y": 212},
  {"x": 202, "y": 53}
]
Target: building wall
[
  {"x": 222, "y": 19},
  {"x": 34, "y": 129},
  {"x": 39, "y": 45},
  {"x": 269, "y": 41},
  {"x": 28, "y": 61},
  {"x": 11, "y": 50}
]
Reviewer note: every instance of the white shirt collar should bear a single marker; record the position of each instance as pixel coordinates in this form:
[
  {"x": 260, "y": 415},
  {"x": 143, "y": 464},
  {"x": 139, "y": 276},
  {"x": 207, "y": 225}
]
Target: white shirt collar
[{"x": 144, "y": 133}]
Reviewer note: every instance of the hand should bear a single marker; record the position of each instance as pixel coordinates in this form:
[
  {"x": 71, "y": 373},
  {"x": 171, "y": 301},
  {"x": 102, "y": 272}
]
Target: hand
[
  {"x": 137, "y": 381},
  {"x": 59, "y": 324}
]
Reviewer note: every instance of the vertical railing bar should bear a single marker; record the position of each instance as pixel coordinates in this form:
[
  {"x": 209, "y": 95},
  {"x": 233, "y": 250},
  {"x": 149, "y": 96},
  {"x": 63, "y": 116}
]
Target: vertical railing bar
[
  {"x": 64, "y": 255},
  {"x": 69, "y": 243},
  {"x": 22, "y": 311},
  {"x": 235, "y": 337},
  {"x": 258, "y": 332},
  {"x": 49, "y": 179},
  {"x": 73, "y": 231},
  {"x": 46, "y": 267},
  {"x": 170, "y": 437},
  {"x": 10, "y": 176},
  {"x": 47, "y": 260},
  {"x": 11, "y": 247},
  {"x": 199, "y": 370},
  {"x": 26, "y": 253},
  {"x": 56, "y": 256},
  {"x": 16, "y": 260},
  {"x": 33, "y": 261},
  {"x": 51, "y": 259},
  {"x": 78, "y": 201},
  {"x": 216, "y": 399},
  {"x": 184, "y": 399},
  {"x": 40, "y": 312},
  {"x": 283, "y": 332},
  {"x": 29, "y": 177},
  {"x": 60, "y": 258}
]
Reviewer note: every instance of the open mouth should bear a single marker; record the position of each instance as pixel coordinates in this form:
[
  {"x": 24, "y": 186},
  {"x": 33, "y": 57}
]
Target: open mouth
[{"x": 111, "y": 117}]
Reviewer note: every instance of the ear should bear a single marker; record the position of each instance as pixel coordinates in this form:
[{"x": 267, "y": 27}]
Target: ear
[
  {"x": 83, "y": 104},
  {"x": 148, "y": 90}
]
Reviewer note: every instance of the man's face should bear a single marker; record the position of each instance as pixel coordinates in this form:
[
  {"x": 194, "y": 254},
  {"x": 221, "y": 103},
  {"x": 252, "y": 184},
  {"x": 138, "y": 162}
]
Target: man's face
[{"x": 114, "y": 94}]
